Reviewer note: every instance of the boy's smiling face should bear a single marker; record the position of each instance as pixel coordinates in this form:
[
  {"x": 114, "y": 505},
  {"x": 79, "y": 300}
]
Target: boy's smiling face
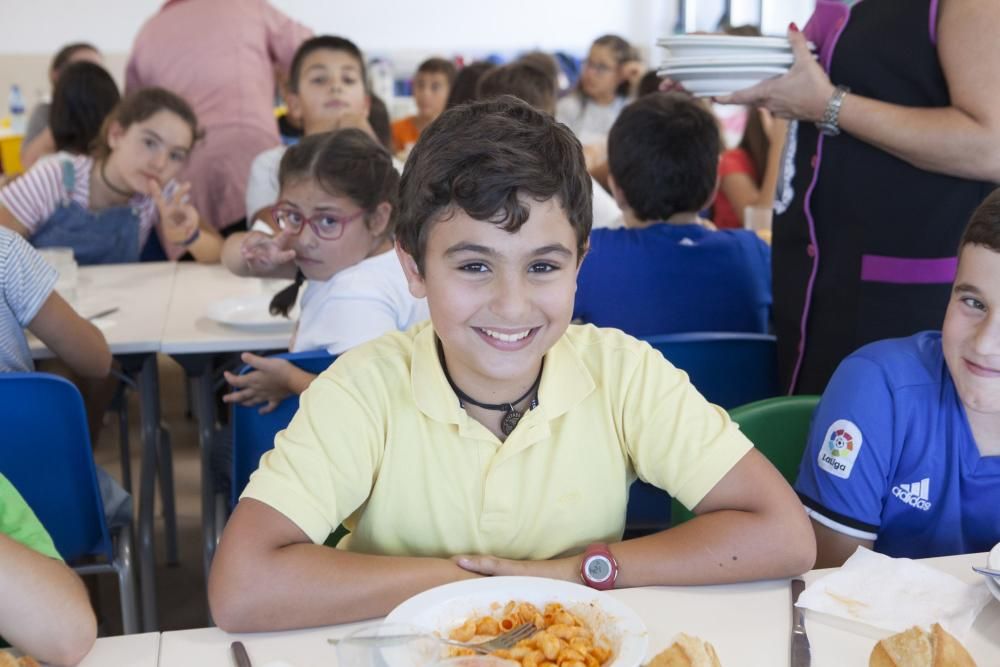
[
  {"x": 498, "y": 300},
  {"x": 970, "y": 336}
]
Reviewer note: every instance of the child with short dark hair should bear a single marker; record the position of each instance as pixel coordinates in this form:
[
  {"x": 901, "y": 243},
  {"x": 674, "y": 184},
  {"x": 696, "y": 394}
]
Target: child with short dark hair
[
  {"x": 669, "y": 270},
  {"x": 466, "y": 81},
  {"x": 85, "y": 95},
  {"x": 904, "y": 452},
  {"x": 38, "y": 141},
  {"x": 328, "y": 90},
  {"x": 431, "y": 86},
  {"x": 527, "y": 80},
  {"x": 516, "y": 434}
]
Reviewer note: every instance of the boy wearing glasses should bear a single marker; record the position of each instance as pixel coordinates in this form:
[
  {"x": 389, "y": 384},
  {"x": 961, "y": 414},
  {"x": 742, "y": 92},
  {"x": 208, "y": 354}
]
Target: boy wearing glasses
[{"x": 495, "y": 439}]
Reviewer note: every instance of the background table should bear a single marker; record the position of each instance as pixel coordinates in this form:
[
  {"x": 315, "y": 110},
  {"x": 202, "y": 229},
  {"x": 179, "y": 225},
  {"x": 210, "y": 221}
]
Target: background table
[
  {"x": 142, "y": 293},
  {"x": 196, "y": 341},
  {"x": 125, "y": 651},
  {"x": 749, "y": 625}
]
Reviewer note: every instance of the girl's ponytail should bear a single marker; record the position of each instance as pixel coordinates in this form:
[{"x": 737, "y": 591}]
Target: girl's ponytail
[{"x": 285, "y": 299}]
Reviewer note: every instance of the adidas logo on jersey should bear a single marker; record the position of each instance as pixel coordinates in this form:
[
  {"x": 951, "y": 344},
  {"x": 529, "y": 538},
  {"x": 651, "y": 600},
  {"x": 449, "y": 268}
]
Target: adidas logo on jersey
[{"x": 915, "y": 494}]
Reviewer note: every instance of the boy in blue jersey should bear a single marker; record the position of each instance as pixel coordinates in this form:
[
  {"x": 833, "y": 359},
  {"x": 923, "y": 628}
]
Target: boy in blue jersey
[
  {"x": 904, "y": 453},
  {"x": 669, "y": 270}
]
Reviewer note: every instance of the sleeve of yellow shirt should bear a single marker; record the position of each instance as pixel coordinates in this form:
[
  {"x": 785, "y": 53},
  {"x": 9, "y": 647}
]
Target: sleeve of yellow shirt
[
  {"x": 677, "y": 440},
  {"x": 324, "y": 464}
]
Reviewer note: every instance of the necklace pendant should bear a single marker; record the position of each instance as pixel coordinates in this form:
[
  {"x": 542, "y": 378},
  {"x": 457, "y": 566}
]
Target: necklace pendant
[{"x": 509, "y": 421}]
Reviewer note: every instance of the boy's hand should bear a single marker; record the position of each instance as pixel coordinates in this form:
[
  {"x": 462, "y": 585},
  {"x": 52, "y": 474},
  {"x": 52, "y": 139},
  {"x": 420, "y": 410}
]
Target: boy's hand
[
  {"x": 267, "y": 384},
  {"x": 178, "y": 218},
  {"x": 567, "y": 569},
  {"x": 264, "y": 253}
]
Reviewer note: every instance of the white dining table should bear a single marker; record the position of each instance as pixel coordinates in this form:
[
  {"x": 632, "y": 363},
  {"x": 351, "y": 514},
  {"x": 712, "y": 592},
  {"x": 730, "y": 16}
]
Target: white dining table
[
  {"x": 142, "y": 293},
  {"x": 749, "y": 625},
  {"x": 195, "y": 340},
  {"x": 142, "y": 650}
]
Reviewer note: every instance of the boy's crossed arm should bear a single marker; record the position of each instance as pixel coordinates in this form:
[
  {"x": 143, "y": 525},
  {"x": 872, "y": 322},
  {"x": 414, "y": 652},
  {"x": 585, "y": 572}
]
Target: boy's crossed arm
[{"x": 750, "y": 526}]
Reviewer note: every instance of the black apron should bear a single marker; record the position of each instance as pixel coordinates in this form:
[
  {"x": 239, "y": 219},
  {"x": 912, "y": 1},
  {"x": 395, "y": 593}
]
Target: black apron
[{"x": 866, "y": 248}]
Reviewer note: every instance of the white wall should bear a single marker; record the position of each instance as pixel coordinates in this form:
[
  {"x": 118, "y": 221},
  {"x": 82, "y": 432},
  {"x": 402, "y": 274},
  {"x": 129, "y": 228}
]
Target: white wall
[{"x": 406, "y": 30}]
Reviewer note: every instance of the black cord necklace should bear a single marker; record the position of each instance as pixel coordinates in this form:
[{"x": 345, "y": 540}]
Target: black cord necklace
[
  {"x": 111, "y": 186},
  {"x": 511, "y": 416}
]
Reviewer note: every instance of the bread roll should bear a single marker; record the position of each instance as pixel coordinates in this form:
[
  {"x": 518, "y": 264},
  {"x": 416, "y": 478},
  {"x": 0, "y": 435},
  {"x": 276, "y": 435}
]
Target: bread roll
[
  {"x": 687, "y": 651},
  {"x": 918, "y": 648},
  {"x": 8, "y": 659}
]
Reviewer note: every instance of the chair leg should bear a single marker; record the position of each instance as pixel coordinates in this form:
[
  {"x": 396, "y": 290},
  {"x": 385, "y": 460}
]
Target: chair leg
[
  {"x": 126, "y": 581},
  {"x": 123, "y": 444},
  {"x": 166, "y": 471}
]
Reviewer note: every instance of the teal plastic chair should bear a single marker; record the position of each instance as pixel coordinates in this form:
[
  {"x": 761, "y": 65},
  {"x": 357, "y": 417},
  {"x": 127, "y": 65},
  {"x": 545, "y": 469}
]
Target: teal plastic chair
[
  {"x": 46, "y": 455},
  {"x": 778, "y": 428},
  {"x": 729, "y": 369}
]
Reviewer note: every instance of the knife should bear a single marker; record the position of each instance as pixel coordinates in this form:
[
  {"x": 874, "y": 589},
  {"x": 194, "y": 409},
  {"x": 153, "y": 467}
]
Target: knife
[{"x": 800, "y": 641}]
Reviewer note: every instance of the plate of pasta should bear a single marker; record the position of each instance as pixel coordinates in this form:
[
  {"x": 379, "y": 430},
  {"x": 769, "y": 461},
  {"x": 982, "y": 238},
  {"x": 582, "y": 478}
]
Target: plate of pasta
[{"x": 577, "y": 626}]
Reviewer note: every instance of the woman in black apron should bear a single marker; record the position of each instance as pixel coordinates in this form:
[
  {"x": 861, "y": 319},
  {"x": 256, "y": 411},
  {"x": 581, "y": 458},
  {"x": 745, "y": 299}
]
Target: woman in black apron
[{"x": 897, "y": 141}]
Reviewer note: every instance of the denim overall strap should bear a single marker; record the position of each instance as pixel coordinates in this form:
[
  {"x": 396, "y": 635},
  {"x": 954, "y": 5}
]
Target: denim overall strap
[{"x": 110, "y": 236}]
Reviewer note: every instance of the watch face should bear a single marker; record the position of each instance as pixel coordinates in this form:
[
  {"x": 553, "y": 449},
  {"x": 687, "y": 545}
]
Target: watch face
[{"x": 598, "y": 568}]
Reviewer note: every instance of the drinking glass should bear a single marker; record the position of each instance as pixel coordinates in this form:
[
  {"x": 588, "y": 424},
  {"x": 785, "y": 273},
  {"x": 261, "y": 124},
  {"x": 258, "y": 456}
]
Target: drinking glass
[{"x": 389, "y": 645}]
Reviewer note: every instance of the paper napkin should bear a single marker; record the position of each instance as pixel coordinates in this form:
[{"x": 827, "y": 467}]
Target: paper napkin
[{"x": 895, "y": 594}]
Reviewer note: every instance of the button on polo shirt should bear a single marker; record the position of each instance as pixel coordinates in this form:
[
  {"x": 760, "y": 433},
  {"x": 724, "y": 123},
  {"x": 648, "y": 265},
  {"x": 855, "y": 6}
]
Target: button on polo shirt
[{"x": 381, "y": 443}]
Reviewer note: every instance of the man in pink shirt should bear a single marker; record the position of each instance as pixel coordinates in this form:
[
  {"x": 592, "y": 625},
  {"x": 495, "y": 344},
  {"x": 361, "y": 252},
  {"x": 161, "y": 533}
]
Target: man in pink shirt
[{"x": 221, "y": 56}]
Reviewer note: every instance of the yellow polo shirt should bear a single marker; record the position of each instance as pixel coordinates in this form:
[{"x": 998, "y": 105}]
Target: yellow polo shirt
[{"x": 381, "y": 444}]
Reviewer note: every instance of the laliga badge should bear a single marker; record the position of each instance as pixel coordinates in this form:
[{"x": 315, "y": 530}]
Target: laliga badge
[{"x": 840, "y": 448}]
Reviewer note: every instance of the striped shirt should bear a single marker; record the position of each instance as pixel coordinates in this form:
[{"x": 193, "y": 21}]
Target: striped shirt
[
  {"x": 26, "y": 280},
  {"x": 33, "y": 197}
]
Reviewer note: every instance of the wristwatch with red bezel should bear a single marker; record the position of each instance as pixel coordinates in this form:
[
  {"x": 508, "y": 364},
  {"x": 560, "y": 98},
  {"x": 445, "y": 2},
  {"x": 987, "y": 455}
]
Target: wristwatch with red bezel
[{"x": 599, "y": 569}]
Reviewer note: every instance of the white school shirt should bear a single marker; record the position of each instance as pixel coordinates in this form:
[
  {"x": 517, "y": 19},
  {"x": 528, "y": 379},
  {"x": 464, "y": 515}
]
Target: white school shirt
[
  {"x": 590, "y": 122},
  {"x": 607, "y": 215},
  {"x": 356, "y": 305}
]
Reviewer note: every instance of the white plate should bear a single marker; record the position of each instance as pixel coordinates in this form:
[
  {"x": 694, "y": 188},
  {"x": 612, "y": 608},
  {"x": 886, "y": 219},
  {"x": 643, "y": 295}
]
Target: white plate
[
  {"x": 735, "y": 60},
  {"x": 691, "y": 45},
  {"x": 993, "y": 561},
  {"x": 447, "y": 607},
  {"x": 714, "y": 81},
  {"x": 250, "y": 312}
]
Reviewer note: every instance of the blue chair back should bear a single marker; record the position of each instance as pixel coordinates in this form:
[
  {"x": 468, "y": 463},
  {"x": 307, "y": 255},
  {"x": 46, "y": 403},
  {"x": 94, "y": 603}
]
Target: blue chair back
[
  {"x": 729, "y": 369},
  {"x": 46, "y": 454},
  {"x": 253, "y": 433}
]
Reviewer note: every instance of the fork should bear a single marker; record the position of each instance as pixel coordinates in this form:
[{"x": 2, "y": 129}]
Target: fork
[
  {"x": 989, "y": 572},
  {"x": 504, "y": 640}
]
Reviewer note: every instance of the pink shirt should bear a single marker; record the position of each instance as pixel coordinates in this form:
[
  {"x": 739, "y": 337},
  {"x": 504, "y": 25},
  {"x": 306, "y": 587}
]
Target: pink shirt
[{"x": 220, "y": 56}]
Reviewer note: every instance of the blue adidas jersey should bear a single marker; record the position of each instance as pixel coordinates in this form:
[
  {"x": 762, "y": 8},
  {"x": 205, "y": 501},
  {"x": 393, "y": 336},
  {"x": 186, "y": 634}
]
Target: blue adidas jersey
[{"x": 891, "y": 457}]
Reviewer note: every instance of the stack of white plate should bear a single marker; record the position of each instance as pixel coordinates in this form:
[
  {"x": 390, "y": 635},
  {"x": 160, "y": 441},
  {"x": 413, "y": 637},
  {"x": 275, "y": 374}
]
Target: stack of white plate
[{"x": 712, "y": 65}]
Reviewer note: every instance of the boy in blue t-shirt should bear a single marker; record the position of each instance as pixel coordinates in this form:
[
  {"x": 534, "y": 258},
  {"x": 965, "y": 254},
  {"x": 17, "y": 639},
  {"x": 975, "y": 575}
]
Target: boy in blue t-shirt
[
  {"x": 669, "y": 270},
  {"x": 904, "y": 453}
]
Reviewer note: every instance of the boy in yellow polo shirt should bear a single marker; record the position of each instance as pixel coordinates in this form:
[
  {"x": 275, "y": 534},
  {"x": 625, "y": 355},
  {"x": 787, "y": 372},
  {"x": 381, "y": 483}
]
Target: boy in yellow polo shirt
[{"x": 496, "y": 438}]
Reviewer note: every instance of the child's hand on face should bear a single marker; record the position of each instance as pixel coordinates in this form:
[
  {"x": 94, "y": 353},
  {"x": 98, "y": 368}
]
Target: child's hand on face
[
  {"x": 264, "y": 253},
  {"x": 178, "y": 217},
  {"x": 349, "y": 119},
  {"x": 267, "y": 384}
]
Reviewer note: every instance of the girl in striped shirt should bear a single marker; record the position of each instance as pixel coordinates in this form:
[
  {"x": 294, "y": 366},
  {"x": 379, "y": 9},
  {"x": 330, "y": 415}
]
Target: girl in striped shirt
[{"x": 104, "y": 205}]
